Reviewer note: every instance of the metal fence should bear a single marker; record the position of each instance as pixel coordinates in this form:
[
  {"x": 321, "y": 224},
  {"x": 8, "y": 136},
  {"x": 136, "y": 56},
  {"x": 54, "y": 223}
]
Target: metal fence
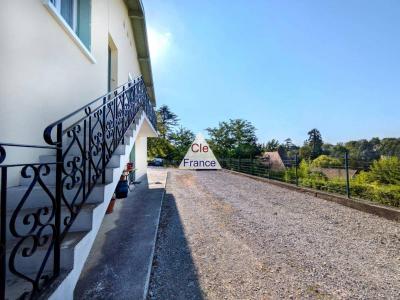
[{"x": 342, "y": 178}]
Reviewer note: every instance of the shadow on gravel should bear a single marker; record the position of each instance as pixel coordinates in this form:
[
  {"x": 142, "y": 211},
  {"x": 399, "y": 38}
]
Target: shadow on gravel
[{"x": 174, "y": 275}]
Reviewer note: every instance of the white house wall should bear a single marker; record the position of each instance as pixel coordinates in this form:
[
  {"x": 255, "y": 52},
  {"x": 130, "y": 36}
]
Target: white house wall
[{"x": 45, "y": 75}]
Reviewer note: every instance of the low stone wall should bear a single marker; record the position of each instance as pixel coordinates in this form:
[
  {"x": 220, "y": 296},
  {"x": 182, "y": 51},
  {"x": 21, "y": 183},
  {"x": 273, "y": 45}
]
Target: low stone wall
[{"x": 386, "y": 212}]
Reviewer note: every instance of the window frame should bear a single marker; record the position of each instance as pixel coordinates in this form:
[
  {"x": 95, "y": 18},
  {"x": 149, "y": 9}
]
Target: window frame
[{"x": 54, "y": 7}]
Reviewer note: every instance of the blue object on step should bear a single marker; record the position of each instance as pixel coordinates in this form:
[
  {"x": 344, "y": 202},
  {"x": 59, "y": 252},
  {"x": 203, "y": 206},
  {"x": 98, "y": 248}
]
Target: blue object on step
[{"x": 121, "y": 191}]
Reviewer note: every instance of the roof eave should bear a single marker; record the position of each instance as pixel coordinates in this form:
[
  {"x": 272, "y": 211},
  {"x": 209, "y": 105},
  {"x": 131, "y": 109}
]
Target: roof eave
[{"x": 138, "y": 23}]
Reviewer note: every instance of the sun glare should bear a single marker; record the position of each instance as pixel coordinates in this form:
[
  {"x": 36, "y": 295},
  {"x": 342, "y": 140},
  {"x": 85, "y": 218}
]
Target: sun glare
[{"x": 159, "y": 42}]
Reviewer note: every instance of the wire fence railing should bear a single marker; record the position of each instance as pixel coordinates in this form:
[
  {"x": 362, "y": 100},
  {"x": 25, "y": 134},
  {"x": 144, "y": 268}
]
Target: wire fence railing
[{"x": 348, "y": 176}]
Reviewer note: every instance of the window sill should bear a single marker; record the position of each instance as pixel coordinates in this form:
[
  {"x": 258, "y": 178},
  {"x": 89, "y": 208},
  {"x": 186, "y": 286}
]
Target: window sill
[{"x": 60, "y": 20}]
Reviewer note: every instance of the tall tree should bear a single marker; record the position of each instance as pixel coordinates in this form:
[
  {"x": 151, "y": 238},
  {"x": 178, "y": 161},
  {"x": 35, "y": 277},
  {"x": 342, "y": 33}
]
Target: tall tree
[
  {"x": 288, "y": 144},
  {"x": 181, "y": 140},
  {"x": 390, "y": 147},
  {"x": 167, "y": 120},
  {"x": 234, "y": 138},
  {"x": 161, "y": 146},
  {"x": 315, "y": 142},
  {"x": 272, "y": 145}
]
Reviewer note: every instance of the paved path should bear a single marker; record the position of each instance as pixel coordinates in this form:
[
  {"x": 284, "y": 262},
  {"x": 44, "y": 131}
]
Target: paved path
[
  {"x": 119, "y": 263},
  {"x": 225, "y": 236}
]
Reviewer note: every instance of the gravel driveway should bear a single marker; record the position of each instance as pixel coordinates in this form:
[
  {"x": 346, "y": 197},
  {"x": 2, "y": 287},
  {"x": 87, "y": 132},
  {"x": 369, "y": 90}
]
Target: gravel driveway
[{"x": 224, "y": 236}]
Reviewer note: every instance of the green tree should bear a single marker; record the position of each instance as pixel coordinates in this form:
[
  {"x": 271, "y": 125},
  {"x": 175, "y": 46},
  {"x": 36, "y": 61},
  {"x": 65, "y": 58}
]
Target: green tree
[
  {"x": 305, "y": 151},
  {"x": 288, "y": 144},
  {"x": 385, "y": 171},
  {"x": 390, "y": 147},
  {"x": 315, "y": 142},
  {"x": 271, "y": 145},
  {"x": 221, "y": 140},
  {"x": 324, "y": 161},
  {"x": 161, "y": 146},
  {"x": 363, "y": 150},
  {"x": 166, "y": 120},
  {"x": 234, "y": 138},
  {"x": 181, "y": 140}
]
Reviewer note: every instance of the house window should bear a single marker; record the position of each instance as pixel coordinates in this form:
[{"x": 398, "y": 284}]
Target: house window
[{"x": 77, "y": 15}]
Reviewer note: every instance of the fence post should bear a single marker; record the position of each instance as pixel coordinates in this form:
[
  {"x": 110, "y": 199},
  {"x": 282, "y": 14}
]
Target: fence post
[
  {"x": 346, "y": 165},
  {"x": 252, "y": 166},
  {"x": 296, "y": 162},
  {"x": 239, "y": 165}
]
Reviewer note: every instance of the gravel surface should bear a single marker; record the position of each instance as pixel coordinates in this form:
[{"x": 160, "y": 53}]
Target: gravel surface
[{"x": 225, "y": 236}]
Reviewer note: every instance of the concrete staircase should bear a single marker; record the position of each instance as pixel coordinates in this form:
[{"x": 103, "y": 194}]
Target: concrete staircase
[{"x": 76, "y": 245}]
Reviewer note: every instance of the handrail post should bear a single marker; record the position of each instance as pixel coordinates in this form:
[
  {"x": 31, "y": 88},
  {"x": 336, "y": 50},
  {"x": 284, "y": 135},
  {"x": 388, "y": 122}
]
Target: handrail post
[
  {"x": 346, "y": 165},
  {"x": 103, "y": 148},
  {"x": 57, "y": 220},
  {"x": 123, "y": 114},
  {"x": 115, "y": 145},
  {"x": 3, "y": 228},
  {"x": 84, "y": 160}
]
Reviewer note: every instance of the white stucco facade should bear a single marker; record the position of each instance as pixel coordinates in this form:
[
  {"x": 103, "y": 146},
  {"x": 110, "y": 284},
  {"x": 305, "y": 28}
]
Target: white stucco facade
[
  {"x": 48, "y": 72},
  {"x": 45, "y": 74}
]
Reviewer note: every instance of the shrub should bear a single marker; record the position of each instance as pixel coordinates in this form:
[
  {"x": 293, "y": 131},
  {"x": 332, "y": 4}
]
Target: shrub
[
  {"x": 304, "y": 169},
  {"x": 363, "y": 177},
  {"x": 386, "y": 171},
  {"x": 290, "y": 175},
  {"x": 385, "y": 194},
  {"x": 325, "y": 161},
  {"x": 389, "y": 194}
]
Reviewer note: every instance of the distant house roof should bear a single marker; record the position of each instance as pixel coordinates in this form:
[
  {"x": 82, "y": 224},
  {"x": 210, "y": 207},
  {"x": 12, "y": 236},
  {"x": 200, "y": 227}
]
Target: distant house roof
[
  {"x": 273, "y": 159},
  {"x": 136, "y": 14}
]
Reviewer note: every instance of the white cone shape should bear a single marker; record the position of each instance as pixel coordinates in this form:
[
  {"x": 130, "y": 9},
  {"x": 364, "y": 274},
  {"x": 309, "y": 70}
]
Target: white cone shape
[{"x": 199, "y": 156}]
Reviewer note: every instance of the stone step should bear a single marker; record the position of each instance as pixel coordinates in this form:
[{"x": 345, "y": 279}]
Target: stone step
[
  {"x": 81, "y": 235},
  {"x": 114, "y": 162},
  {"x": 31, "y": 264},
  {"x": 16, "y": 286},
  {"x": 50, "y": 178},
  {"x": 38, "y": 197},
  {"x": 26, "y": 220}
]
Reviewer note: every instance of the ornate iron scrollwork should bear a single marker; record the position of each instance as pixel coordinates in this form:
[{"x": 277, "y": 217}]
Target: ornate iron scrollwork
[{"x": 84, "y": 142}]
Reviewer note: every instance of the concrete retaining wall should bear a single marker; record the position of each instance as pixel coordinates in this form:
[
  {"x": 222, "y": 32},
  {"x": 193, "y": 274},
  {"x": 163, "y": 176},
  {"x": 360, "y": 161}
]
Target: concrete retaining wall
[{"x": 386, "y": 212}]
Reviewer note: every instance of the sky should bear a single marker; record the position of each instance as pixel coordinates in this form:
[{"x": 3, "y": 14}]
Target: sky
[{"x": 285, "y": 66}]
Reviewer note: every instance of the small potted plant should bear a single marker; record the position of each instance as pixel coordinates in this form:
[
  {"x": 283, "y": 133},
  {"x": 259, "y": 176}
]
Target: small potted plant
[
  {"x": 129, "y": 167},
  {"x": 122, "y": 188}
]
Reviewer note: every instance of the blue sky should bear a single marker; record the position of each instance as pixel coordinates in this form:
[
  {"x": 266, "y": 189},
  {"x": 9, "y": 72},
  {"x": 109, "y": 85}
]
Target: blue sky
[{"x": 286, "y": 66}]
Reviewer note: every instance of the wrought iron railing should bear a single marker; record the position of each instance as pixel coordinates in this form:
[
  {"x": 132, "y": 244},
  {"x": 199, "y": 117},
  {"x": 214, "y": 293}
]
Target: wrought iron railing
[
  {"x": 24, "y": 232},
  {"x": 84, "y": 142}
]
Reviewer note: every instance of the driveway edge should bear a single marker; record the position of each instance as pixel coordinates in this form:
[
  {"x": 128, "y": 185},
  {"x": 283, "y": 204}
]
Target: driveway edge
[
  {"x": 146, "y": 287},
  {"x": 389, "y": 213}
]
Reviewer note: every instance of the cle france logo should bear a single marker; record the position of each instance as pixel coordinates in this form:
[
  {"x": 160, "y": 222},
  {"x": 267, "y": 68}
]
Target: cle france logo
[{"x": 199, "y": 156}]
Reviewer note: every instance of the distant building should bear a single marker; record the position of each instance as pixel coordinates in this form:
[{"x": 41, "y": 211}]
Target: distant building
[{"x": 273, "y": 160}]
